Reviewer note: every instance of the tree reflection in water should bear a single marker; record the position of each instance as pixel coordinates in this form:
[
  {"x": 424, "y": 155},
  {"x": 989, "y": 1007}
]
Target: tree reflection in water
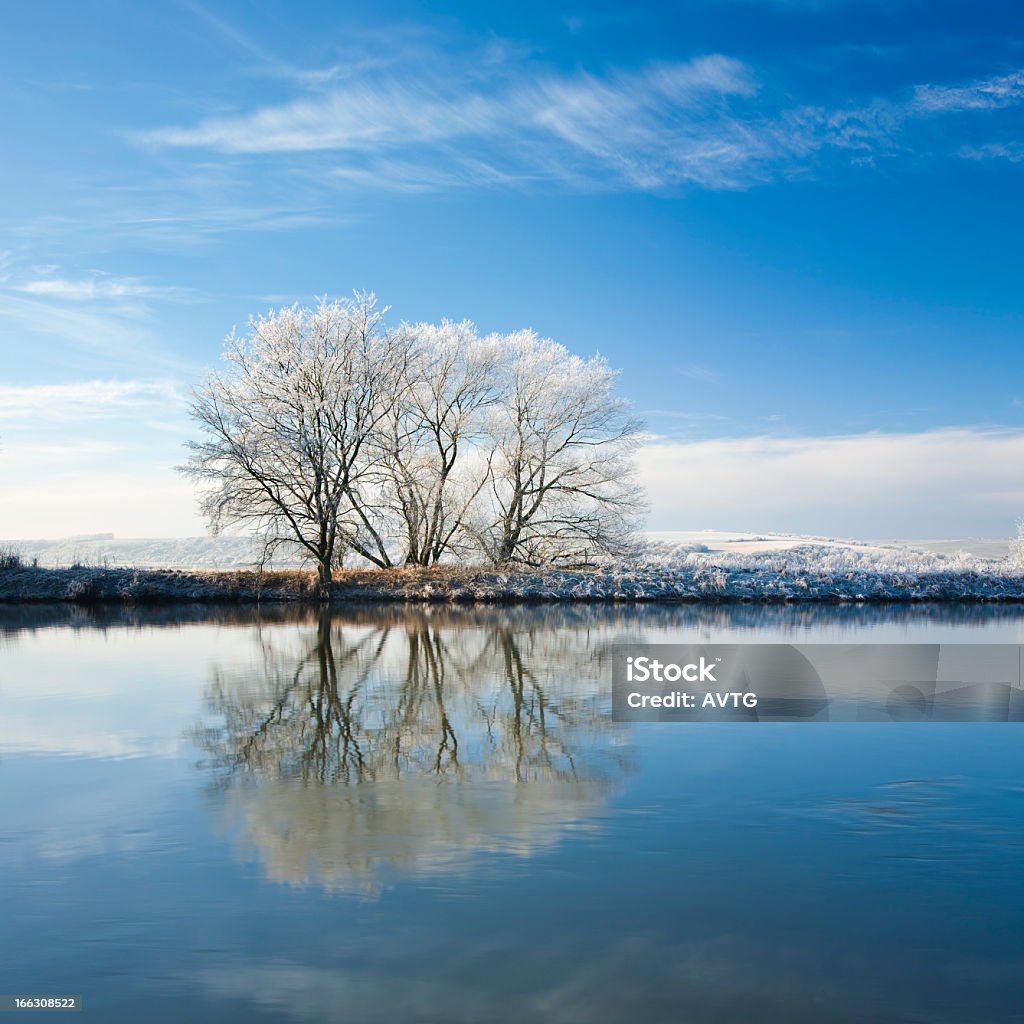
[{"x": 358, "y": 751}]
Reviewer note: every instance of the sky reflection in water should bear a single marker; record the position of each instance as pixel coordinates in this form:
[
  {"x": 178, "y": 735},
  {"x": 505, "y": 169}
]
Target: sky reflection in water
[{"x": 428, "y": 815}]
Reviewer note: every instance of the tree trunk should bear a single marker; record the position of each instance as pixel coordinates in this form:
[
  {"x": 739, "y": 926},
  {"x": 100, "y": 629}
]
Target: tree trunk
[
  {"x": 509, "y": 543},
  {"x": 324, "y": 578}
]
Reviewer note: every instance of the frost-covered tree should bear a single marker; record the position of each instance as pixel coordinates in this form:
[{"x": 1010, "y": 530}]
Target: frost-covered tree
[
  {"x": 295, "y": 426},
  {"x": 328, "y": 432},
  {"x": 561, "y": 478},
  {"x": 435, "y": 466}
]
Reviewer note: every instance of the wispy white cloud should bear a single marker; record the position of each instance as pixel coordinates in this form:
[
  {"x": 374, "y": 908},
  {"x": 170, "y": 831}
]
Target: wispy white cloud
[
  {"x": 241, "y": 40},
  {"x": 699, "y": 372},
  {"x": 196, "y": 222},
  {"x": 705, "y": 121},
  {"x": 550, "y": 127},
  {"x": 359, "y": 118},
  {"x": 107, "y": 322},
  {"x": 1012, "y": 152},
  {"x": 81, "y": 334},
  {"x": 80, "y": 399},
  {"x": 96, "y": 287},
  {"x": 265, "y": 61},
  {"x": 955, "y": 482},
  {"x": 662, "y": 125},
  {"x": 188, "y": 203},
  {"x": 986, "y": 94},
  {"x": 408, "y": 176}
]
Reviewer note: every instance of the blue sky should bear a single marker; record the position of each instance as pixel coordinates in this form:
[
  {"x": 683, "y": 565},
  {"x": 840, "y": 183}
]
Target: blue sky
[{"x": 795, "y": 227}]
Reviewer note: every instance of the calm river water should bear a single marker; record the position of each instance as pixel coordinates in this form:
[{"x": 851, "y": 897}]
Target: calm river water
[{"x": 399, "y": 815}]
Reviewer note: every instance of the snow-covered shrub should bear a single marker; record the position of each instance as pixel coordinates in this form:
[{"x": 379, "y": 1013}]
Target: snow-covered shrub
[
  {"x": 1016, "y": 555},
  {"x": 10, "y": 559},
  {"x": 80, "y": 590}
]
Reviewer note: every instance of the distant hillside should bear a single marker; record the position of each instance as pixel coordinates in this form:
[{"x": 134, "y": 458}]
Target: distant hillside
[
  {"x": 148, "y": 553},
  {"x": 718, "y": 547}
]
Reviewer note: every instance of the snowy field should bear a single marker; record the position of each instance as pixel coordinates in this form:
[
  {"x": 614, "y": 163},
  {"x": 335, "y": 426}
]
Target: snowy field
[
  {"x": 683, "y": 549},
  {"x": 743, "y": 549},
  {"x": 106, "y": 550}
]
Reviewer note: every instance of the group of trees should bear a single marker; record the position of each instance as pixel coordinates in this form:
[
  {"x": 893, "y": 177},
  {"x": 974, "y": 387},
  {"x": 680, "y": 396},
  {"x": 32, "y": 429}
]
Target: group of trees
[{"x": 414, "y": 445}]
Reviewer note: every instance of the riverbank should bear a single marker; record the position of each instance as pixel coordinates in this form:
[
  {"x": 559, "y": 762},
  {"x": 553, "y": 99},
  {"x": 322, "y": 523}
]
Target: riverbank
[{"x": 710, "y": 584}]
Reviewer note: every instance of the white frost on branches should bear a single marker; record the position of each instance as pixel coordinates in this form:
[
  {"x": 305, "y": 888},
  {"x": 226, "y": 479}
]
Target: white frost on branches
[
  {"x": 332, "y": 433},
  {"x": 561, "y": 480}
]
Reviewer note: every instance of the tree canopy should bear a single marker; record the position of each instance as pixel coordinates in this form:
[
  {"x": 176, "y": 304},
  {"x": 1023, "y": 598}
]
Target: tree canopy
[{"x": 326, "y": 430}]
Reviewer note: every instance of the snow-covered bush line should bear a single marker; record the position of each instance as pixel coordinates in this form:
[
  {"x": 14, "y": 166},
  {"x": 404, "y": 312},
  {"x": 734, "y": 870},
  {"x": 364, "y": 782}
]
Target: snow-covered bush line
[{"x": 842, "y": 582}]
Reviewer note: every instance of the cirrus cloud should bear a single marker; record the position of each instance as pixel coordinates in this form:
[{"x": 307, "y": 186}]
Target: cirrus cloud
[{"x": 705, "y": 122}]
